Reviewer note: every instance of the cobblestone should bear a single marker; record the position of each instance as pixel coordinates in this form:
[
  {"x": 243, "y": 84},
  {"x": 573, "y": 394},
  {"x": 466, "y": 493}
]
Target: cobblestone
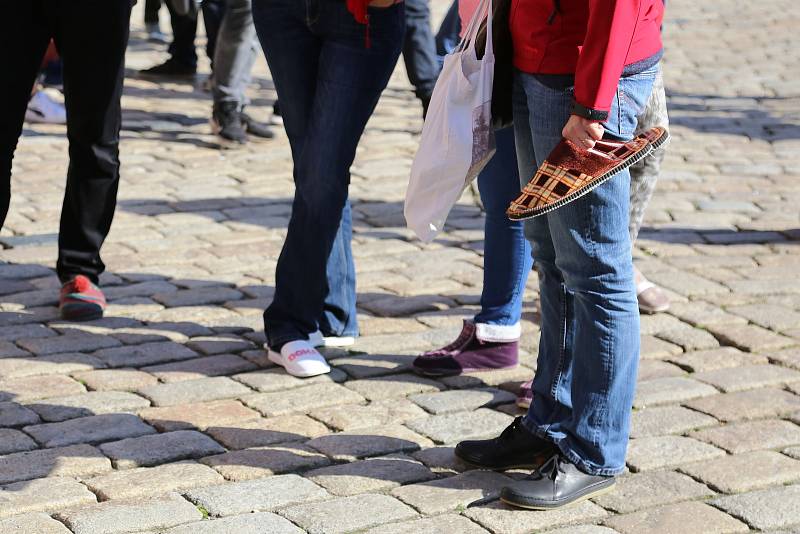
[
  {"x": 301, "y": 400},
  {"x": 663, "y": 420},
  {"x": 156, "y": 449},
  {"x": 645, "y": 490},
  {"x": 260, "y": 462},
  {"x": 198, "y": 415},
  {"x": 745, "y": 472},
  {"x": 448, "y": 428},
  {"x": 748, "y": 377},
  {"x": 38, "y": 387},
  {"x": 13, "y": 414},
  {"x": 38, "y": 523},
  {"x": 670, "y": 390},
  {"x": 450, "y": 493},
  {"x": 147, "y": 482},
  {"x": 269, "y": 431},
  {"x": 750, "y": 436},
  {"x": 92, "y": 403},
  {"x": 115, "y": 379},
  {"x": 684, "y": 518},
  {"x": 352, "y": 416},
  {"x": 43, "y": 495},
  {"x": 748, "y": 405},
  {"x": 347, "y": 514},
  {"x": 92, "y": 429},
  {"x": 192, "y": 391},
  {"x": 370, "y": 475},
  {"x": 668, "y": 451},
  {"x": 77, "y": 460},
  {"x": 773, "y": 508},
  {"x": 502, "y": 519},
  {"x": 260, "y": 523}
]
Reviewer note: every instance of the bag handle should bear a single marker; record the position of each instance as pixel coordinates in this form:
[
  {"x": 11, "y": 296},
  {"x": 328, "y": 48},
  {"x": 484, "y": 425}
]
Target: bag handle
[{"x": 484, "y": 9}]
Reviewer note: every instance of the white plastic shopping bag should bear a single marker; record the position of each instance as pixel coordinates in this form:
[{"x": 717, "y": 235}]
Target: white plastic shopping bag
[{"x": 457, "y": 138}]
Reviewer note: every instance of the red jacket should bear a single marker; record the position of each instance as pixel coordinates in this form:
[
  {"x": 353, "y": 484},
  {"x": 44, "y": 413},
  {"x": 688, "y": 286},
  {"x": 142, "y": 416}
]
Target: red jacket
[{"x": 593, "y": 39}]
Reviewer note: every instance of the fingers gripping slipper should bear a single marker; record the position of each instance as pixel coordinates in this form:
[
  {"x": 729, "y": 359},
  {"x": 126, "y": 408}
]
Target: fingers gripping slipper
[{"x": 568, "y": 173}]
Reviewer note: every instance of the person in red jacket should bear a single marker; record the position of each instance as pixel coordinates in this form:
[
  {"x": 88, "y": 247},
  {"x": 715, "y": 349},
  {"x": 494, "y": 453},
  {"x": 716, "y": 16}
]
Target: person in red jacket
[{"x": 585, "y": 70}]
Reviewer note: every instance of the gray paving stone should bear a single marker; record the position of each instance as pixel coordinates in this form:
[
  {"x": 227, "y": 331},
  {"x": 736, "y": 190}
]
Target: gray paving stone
[
  {"x": 25, "y": 331},
  {"x": 670, "y": 390},
  {"x": 15, "y": 441},
  {"x": 157, "y": 449},
  {"x": 46, "y": 365},
  {"x": 449, "y": 494},
  {"x": 220, "y": 364},
  {"x": 130, "y": 516},
  {"x": 750, "y": 338},
  {"x": 721, "y": 358},
  {"x": 703, "y": 314},
  {"x": 745, "y": 472},
  {"x": 501, "y": 379},
  {"x": 431, "y": 525},
  {"x": 651, "y": 369},
  {"x": 115, "y": 379},
  {"x": 690, "y": 338},
  {"x": 259, "y": 523},
  {"x": 199, "y": 415},
  {"x": 462, "y": 400},
  {"x": 663, "y": 420},
  {"x": 278, "y": 379},
  {"x": 655, "y": 488},
  {"x": 773, "y": 508},
  {"x": 378, "y": 413},
  {"x": 441, "y": 460},
  {"x": 301, "y": 400},
  {"x": 788, "y": 358},
  {"x": 43, "y": 495},
  {"x": 583, "y": 529},
  {"x": 92, "y": 403},
  {"x": 449, "y": 428},
  {"x": 148, "y": 482},
  {"x": 372, "y": 365},
  {"x": 260, "y": 462},
  {"x": 67, "y": 343},
  {"x": 502, "y": 519},
  {"x": 190, "y": 391},
  {"x": 748, "y": 405},
  {"x": 31, "y": 388},
  {"x": 770, "y": 316},
  {"x": 653, "y": 348},
  {"x": 13, "y": 414},
  {"x": 30, "y": 523},
  {"x": 283, "y": 429},
  {"x": 372, "y": 475},
  {"x": 348, "y": 514},
  {"x": 794, "y": 452},
  {"x": 92, "y": 429},
  {"x": 750, "y": 436},
  {"x": 748, "y": 377},
  {"x": 145, "y": 354},
  {"x": 646, "y": 454},
  {"x": 683, "y": 518},
  {"x": 264, "y": 494},
  {"x": 78, "y": 460},
  {"x": 388, "y": 387},
  {"x": 377, "y": 441}
]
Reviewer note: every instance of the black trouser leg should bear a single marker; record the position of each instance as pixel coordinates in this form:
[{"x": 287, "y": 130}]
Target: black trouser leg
[
  {"x": 151, "y": 8},
  {"x": 184, "y": 30},
  {"x": 24, "y": 36},
  {"x": 91, "y": 36}
]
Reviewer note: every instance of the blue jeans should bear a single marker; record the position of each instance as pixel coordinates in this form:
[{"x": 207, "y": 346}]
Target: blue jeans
[
  {"x": 328, "y": 83},
  {"x": 589, "y": 348},
  {"x": 419, "y": 48},
  {"x": 507, "y": 254}
]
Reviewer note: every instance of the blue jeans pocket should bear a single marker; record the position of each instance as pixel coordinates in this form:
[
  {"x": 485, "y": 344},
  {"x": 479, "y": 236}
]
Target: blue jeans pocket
[{"x": 632, "y": 95}]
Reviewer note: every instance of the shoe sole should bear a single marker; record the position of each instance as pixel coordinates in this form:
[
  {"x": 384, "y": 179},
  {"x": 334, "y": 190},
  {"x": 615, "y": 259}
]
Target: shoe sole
[
  {"x": 275, "y": 358},
  {"x": 581, "y": 498},
  {"x": 80, "y": 313}
]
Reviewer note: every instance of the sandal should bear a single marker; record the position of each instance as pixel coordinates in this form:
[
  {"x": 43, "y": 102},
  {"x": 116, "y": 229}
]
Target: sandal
[
  {"x": 652, "y": 298},
  {"x": 569, "y": 173}
]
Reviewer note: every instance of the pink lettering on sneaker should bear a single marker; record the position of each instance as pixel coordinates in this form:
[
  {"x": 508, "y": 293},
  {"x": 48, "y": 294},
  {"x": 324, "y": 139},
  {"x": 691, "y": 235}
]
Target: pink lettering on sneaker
[{"x": 302, "y": 352}]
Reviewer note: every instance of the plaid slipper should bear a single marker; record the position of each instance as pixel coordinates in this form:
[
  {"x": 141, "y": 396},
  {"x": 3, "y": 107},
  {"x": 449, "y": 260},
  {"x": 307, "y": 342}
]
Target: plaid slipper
[{"x": 569, "y": 173}]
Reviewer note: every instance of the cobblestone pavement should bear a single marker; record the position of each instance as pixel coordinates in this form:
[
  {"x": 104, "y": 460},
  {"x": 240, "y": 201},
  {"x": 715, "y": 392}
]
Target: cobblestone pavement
[{"x": 166, "y": 416}]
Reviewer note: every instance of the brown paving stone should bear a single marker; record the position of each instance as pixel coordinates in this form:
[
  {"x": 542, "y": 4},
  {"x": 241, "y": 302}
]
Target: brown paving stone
[
  {"x": 46, "y": 365},
  {"x": 748, "y": 377},
  {"x": 38, "y": 387},
  {"x": 448, "y": 494},
  {"x": 683, "y": 518},
  {"x": 259, "y": 462},
  {"x": 721, "y": 358},
  {"x": 146, "y": 482},
  {"x": 652, "y": 369},
  {"x": 462, "y": 400},
  {"x": 690, "y": 338},
  {"x": 500, "y": 379},
  {"x": 35, "y": 522},
  {"x": 449, "y": 428},
  {"x": 750, "y": 436},
  {"x": 352, "y": 416},
  {"x": 300, "y": 400},
  {"x": 220, "y": 364},
  {"x": 703, "y": 314},
  {"x": 115, "y": 379},
  {"x": 277, "y": 379},
  {"x": 43, "y": 495},
  {"x": 663, "y": 420},
  {"x": 745, "y": 472},
  {"x": 392, "y": 386},
  {"x": 670, "y": 390},
  {"x": 750, "y": 338},
  {"x": 348, "y": 514},
  {"x": 199, "y": 415},
  {"x": 655, "y": 488},
  {"x": 502, "y": 519},
  {"x": 653, "y": 348},
  {"x": 646, "y": 454},
  {"x": 192, "y": 391},
  {"x": 747, "y": 405},
  {"x": 269, "y": 431}
]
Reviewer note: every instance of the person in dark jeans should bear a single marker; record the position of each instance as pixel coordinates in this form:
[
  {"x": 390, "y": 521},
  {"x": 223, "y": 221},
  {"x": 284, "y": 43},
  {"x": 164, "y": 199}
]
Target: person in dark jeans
[
  {"x": 419, "y": 51},
  {"x": 329, "y": 70},
  {"x": 151, "y": 21},
  {"x": 182, "y": 59},
  {"x": 91, "y": 37}
]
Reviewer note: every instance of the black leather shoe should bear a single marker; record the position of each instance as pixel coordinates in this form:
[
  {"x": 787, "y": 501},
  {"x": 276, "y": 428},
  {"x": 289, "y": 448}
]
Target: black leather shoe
[
  {"x": 516, "y": 447},
  {"x": 557, "y": 483}
]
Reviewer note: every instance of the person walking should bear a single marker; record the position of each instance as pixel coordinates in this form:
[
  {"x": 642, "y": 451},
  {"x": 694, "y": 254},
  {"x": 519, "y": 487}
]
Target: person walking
[
  {"x": 330, "y": 61},
  {"x": 585, "y": 70},
  {"x": 91, "y": 37}
]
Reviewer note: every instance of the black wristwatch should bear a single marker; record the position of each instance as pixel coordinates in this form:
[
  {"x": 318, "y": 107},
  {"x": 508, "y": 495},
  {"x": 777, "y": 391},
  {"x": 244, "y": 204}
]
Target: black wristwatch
[{"x": 588, "y": 113}]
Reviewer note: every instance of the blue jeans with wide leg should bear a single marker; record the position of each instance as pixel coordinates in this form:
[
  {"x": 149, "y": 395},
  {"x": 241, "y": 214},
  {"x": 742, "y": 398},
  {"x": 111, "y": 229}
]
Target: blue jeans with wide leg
[
  {"x": 329, "y": 74},
  {"x": 589, "y": 348}
]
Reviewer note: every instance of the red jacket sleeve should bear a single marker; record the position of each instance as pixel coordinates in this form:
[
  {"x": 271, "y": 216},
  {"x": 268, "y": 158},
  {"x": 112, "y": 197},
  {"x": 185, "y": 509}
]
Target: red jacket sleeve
[{"x": 602, "y": 58}]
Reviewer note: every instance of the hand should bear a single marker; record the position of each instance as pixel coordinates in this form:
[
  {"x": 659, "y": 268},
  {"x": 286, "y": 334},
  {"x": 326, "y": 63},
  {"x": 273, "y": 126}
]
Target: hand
[
  {"x": 381, "y": 3},
  {"x": 582, "y": 132}
]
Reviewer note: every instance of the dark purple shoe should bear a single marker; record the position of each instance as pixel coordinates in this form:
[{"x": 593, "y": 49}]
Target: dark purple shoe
[{"x": 467, "y": 354}]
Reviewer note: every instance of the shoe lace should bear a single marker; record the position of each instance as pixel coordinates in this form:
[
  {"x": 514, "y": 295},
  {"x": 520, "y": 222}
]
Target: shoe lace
[
  {"x": 463, "y": 338},
  {"x": 550, "y": 469},
  {"x": 511, "y": 429}
]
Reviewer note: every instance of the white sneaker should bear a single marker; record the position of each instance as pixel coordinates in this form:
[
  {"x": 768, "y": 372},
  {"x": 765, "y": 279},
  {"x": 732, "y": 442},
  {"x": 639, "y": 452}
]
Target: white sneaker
[
  {"x": 43, "y": 109},
  {"x": 318, "y": 340},
  {"x": 300, "y": 359}
]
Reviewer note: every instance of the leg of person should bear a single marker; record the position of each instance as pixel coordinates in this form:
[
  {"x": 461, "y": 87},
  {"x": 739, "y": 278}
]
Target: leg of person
[
  {"x": 213, "y": 13},
  {"x": 93, "y": 77},
  {"x": 233, "y": 60},
  {"x": 419, "y": 50},
  {"x": 24, "y": 36},
  {"x": 491, "y": 339},
  {"x": 183, "y": 56},
  {"x": 343, "y": 79},
  {"x": 447, "y": 37},
  {"x": 586, "y": 402},
  {"x": 151, "y": 8},
  {"x": 644, "y": 176}
]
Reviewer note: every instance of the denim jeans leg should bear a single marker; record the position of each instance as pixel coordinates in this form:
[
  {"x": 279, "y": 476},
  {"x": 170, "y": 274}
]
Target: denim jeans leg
[
  {"x": 507, "y": 254},
  {"x": 419, "y": 48},
  {"x": 339, "y": 316},
  {"x": 328, "y": 83},
  {"x": 235, "y": 53},
  {"x": 587, "y": 389}
]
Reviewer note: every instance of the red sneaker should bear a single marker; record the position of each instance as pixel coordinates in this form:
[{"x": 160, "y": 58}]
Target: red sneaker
[{"x": 81, "y": 300}]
